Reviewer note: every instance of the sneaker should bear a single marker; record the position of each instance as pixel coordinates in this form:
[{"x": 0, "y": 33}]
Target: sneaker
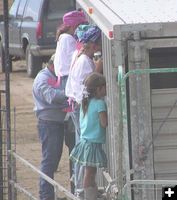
[
  {"x": 101, "y": 195},
  {"x": 80, "y": 194}
]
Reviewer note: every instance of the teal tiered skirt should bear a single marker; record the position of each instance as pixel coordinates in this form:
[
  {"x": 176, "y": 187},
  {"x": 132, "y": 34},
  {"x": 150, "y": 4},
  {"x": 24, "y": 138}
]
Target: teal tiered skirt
[{"x": 90, "y": 154}]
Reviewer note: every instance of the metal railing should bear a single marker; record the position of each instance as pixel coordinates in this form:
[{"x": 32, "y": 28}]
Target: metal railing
[
  {"x": 5, "y": 165},
  {"x": 57, "y": 186},
  {"x": 1, "y": 148}
]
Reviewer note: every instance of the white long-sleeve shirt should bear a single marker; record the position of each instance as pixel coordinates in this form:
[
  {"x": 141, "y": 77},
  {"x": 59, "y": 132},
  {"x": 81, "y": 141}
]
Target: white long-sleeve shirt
[
  {"x": 83, "y": 65},
  {"x": 66, "y": 46}
]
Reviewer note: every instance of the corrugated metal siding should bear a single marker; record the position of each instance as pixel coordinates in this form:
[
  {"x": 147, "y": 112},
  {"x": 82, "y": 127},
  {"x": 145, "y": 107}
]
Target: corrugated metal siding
[
  {"x": 109, "y": 78},
  {"x": 112, "y": 139},
  {"x": 165, "y": 145},
  {"x": 112, "y": 142}
]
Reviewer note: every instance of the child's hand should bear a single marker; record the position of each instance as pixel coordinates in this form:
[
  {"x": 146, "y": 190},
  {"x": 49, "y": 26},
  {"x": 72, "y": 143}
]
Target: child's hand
[{"x": 99, "y": 65}]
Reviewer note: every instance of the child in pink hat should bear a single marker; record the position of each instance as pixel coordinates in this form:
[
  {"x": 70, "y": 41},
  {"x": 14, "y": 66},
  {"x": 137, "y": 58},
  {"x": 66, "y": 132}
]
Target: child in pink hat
[
  {"x": 66, "y": 43},
  {"x": 74, "y": 18}
]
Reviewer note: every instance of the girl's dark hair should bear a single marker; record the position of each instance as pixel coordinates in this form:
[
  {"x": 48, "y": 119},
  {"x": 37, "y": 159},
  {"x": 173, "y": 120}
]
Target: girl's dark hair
[
  {"x": 62, "y": 29},
  {"x": 98, "y": 41},
  {"x": 91, "y": 83}
]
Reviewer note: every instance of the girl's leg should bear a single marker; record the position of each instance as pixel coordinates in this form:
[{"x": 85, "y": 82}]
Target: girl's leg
[
  {"x": 90, "y": 188},
  {"x": 89, "y": 177}
]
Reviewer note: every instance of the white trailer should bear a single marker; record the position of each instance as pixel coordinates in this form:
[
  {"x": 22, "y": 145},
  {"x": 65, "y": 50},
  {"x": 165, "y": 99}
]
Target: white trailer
[{"x": 139, "y": 37}]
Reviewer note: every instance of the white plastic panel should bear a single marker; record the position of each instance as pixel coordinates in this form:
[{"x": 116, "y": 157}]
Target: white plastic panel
[
  {"x": 102, "y": 15},
  {"x": 143, "y": 11}
]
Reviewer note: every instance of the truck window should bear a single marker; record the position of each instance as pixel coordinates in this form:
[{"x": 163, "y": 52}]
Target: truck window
[
  {"x": 57, "y": 8},
  {"x": 13, "y": 9},
  {"x": 21, "y": 8},
  {"x": 32, "y": 10}
]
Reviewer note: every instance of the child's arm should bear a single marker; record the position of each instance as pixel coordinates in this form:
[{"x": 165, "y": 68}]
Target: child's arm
[
  {"x": 103, "y": 119},
  {"x": 99, "y": 65}
]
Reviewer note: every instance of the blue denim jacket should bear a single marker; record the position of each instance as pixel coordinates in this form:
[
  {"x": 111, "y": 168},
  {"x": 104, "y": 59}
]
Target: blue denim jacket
[{"x": 48, "y": 100}]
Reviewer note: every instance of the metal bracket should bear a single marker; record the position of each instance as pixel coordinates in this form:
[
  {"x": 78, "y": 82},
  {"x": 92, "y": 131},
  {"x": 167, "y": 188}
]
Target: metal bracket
[{"x": 111, "y": 190}]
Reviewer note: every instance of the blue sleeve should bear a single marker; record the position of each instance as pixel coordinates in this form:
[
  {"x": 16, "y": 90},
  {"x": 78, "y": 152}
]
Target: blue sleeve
[
  {"x": 101, "y": 105},
  {"x": 46, "y": 92}
]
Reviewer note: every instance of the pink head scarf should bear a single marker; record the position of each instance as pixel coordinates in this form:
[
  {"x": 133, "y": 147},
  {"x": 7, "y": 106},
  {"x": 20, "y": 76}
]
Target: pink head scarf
[{"x": 74, "y": 18}]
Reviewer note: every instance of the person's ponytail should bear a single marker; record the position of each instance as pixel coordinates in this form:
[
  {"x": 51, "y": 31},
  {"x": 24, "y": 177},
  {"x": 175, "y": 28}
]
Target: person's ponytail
[
  {"x": 62, "y": 29},
  {"x": 85, "y": 103}
]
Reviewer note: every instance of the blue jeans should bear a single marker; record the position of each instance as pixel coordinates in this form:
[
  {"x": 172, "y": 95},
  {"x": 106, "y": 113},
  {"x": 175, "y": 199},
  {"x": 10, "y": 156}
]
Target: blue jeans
[
  {"x": 78, "y": 169},
  {"x": 75, "y": 117},
  {"x": 51, "y": 135}
]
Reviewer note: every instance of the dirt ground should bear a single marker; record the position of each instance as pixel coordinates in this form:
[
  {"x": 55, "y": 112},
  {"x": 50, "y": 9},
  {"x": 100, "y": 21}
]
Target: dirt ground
[{"x": 27, "y": 142}]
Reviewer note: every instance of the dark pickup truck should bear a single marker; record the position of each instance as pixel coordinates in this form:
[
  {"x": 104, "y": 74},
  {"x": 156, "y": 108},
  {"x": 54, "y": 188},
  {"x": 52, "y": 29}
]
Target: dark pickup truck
[{"x": 32, "y": 31}]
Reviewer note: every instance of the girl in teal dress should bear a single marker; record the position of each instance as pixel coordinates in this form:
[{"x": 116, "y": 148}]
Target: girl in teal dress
[{"x": 93, "y": 121}]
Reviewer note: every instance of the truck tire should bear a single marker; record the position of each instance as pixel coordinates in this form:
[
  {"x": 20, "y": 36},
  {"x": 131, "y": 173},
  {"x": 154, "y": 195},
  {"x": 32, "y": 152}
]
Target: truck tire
[
  {"x": 33, "y": 63},
  {"x": 2, "y": 57}
]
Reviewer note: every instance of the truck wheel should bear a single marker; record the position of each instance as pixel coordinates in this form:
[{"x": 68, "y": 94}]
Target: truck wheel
[{"x": 33, "y": 63}]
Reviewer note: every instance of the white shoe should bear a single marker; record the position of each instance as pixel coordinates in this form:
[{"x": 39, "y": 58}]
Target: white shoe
[{"x": 80, "y": 194}]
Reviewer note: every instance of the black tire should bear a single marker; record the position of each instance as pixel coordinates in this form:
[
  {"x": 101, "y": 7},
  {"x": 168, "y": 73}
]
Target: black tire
[
  {"x": 2, "y": 57},
  {"x": 33, "y": 63}
]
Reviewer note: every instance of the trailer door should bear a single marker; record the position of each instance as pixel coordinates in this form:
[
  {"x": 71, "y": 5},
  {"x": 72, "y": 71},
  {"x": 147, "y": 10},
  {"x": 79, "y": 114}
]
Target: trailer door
[
  {"x": 164, "y": 113},
  {"x": 153, "y": 113}
]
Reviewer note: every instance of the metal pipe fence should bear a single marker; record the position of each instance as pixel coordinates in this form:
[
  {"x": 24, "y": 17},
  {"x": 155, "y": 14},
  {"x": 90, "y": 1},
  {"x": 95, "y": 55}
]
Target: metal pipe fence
[
  {"x": 5, "y": 166},
  {"x": 3, "y": 150},
  {"x": 57, "y": 186}
]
